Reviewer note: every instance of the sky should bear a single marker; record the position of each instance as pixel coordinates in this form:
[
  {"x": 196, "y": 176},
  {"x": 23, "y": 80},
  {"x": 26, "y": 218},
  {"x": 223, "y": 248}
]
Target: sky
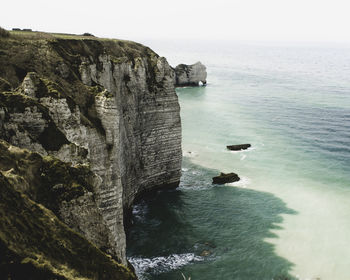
[{"x": 250, "y": 20}]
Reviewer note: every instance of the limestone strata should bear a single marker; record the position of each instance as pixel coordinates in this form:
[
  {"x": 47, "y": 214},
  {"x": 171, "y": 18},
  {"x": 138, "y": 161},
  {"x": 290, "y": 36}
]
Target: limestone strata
[
  {"x": 107, "y": 104},
  {"x": 190, "y": 75},
  {"x": 34, "y": 243},
  {"x": 67, "y": 191}
]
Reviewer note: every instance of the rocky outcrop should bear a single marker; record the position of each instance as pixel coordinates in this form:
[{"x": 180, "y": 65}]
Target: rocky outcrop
[
  {"x": 190, "y": 75},
  {"x": 238, "y": 147},
  {"x": 224, "y": 178},
  {"x": 108, "y": 105},
  {"x": 34, "y": 243},
  {"x": 66, "y": 190}
]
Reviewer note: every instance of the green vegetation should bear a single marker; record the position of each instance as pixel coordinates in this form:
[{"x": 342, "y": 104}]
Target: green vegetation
[
  {"x": 17, "y": 102},
  {"x": 25, "y": 52},
  {"x": 51, "y": 138},
  {"x": 34, "y": 244},
  {"x": 54, "y": 61},
  {"x": 46, "y": 180},
  {"x": 4, "y": 85},
  {"x": 100, "y": 91},
  {"x": 4, "y": 33}
]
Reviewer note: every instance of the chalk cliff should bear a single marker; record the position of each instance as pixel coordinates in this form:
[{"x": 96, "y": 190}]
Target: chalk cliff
[
  {"x": 34, "y": 243},
  {"x": 106, "y": 105}
]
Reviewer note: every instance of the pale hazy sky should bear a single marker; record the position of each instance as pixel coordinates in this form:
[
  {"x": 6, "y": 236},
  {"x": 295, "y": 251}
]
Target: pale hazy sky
[{"x": 277, "y": 20}]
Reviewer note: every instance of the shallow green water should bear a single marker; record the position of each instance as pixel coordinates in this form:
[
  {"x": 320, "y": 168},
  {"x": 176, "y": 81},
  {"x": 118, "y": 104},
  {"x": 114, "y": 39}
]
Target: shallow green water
[{"x": 289, "y": 216}]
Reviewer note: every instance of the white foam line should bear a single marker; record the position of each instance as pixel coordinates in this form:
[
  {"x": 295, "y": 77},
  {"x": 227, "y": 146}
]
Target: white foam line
[
  {"x": 162, "y": 264},
  {"x": 243, "y": 151},
  {"x": 196, "y": 188},
  {"x": 242, "y": 183},
  {"x": 189, "y": 154}
]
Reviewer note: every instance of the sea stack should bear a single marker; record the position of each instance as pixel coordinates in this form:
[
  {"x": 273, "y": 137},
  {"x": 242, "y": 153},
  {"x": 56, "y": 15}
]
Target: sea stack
[{"x": 190, "y": 75}]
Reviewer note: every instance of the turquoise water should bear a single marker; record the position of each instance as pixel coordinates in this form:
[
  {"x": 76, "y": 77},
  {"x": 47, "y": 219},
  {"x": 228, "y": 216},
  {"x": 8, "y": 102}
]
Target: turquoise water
[{"x": 289, "y": 216}]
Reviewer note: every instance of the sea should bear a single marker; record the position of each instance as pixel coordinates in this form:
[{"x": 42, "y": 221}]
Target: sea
[{"x": 289, "y": 215}]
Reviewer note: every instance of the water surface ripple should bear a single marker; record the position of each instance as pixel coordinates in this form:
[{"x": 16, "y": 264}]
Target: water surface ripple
[{"x": 289, "y": 216}]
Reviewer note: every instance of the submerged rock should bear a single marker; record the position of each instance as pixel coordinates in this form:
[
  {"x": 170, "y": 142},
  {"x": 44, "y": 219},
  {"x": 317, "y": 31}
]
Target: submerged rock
[
  {"x": 190, "y": 75},
  {"x": 205, "y": 253},
  {"x": 238, "y": 147},
  {"x": 225, "y": 178}
]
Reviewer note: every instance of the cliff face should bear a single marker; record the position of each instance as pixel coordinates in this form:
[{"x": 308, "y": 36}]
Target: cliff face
[
  {"x": 34, "y": 243},
  {"x": 106, "y": 104}
]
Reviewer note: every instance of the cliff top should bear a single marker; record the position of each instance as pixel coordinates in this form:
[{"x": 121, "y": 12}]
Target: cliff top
[
  {"x": 38, "y": 35},
  {"x": 25, "y": 51}
]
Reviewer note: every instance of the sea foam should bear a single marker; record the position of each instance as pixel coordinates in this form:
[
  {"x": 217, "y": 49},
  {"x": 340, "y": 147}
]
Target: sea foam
[
  {"x": 162, "y": 264},
  {"x": 242, "y": 183}
]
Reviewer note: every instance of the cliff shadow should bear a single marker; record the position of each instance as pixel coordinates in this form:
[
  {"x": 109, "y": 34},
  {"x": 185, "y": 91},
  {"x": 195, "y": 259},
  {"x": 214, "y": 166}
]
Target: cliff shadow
[{"x": 215, "y": 232}]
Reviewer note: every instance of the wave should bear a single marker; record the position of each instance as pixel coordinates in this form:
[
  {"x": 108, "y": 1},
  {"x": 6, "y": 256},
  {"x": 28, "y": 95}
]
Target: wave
[
  {"x": 197, "y": 187},
  {"x": 189, "y": 154},
  {"x": 243, "y": 157},
  {"x": 244, "y": 151},
  {"x": 139, "y": 211},
  {"x": 242, "y": 183},
  {"x": 158, "y": 265}
]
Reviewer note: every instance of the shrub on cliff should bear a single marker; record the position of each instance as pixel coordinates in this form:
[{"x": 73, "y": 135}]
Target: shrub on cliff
[
  {"x": 4, "y": 33},
  {"x": 88, "y": 34}
]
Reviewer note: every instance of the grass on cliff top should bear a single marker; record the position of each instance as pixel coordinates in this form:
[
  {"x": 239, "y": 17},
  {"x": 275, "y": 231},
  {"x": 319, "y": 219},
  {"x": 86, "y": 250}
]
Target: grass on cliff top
[
  {"x": 57, "y": 60},
  {"x": 38, "y": 35},
  {"x": 118, "y": 48},
  {"x": 4, "y": 33},
  {"x": 28, "y": 49}
]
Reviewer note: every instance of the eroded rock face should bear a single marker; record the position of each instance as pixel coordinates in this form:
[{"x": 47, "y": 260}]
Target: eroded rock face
[
  {"x": 34, "y": 243},
  {"x": 67, "y": 191},
  {"x": 190, "y": 75},
  {"x": 110, "y": 105}
]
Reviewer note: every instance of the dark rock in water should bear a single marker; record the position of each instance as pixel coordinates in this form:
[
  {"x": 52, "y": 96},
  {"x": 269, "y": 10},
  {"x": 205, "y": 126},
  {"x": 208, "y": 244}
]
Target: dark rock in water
[
  {"x": 225, "y": 178},
  {"x": 238, "y": 147}
]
